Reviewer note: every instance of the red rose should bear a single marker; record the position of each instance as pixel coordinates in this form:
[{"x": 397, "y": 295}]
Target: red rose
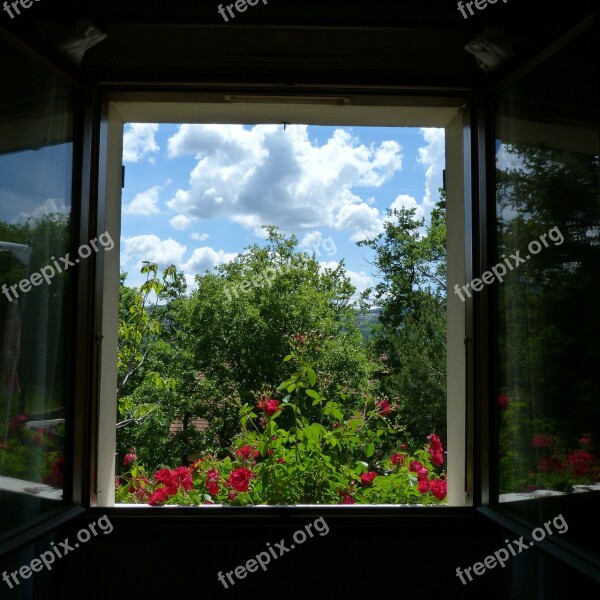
[
  {"x": 397, "y": 459},
  {"x": 423, "y": 474},
  {"x": 439, "y": 488},
  {"x": 415, "y": 466},
  {"x": 300, "y": 338},
  {"x": 208, "y": 502},
  {"x": 183, "y": 476},
  {"x": 502, "y": 401},
  {"x": 549, "y": 463},
  {"x": 129, "y": 458},
  {"x": 580, "y": 462},
  {"x": 348, "y": 499},
  {"x": 240, "y": 479},
  {"x": 402, "y": 446},
  {"x": 160, "y": 495},
  {"x": 212, "y": 487},
  {"x": 170, "y": 482},
  {"x": 435, "y": 444},
  {"x": 247, "y": 451},
  {"x": 17, "y": 423},
  {"x": 231, "y": 496},
  {"x": 268, "y": 405},
  {"x": 212, "y": 482},
  {"x": 280, "y": 460},
  {"x": 367, "y": 478},
  {"x": 423, "y": 486},
  {"x": 384, "y": 408},
  {"x": 542, "y": 441},
  {"x": 437, "y": 458}
]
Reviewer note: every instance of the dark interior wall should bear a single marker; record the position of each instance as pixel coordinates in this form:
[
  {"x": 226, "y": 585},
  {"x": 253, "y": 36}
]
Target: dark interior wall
[{"x": 154, "y": 558}]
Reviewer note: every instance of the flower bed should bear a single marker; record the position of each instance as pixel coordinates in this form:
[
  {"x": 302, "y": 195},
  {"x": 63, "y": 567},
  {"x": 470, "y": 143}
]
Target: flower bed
[{"x": 340, "y": 456}]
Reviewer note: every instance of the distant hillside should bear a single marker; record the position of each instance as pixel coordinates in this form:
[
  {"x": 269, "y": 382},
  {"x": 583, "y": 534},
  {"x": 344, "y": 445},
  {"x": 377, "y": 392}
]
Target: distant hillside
[{"x": 366, "y": 321}]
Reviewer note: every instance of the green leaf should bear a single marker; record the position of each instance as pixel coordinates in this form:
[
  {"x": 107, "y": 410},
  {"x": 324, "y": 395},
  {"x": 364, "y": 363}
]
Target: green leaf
[{"x": 370, "y": 449}]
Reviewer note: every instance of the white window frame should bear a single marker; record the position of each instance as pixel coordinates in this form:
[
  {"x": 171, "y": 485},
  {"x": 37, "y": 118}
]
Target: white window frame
[{"x": 384, "y": 111}]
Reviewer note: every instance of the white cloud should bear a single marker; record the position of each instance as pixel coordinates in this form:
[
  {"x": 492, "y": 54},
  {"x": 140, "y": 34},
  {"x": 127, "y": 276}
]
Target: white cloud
[
  {"x": 139, "y": 141},
  {"x": 50, "y": 207},
  {"x": 509, "y": 161},
  {"x": 204, "y": 259},
  {"x": 180, "y": 222},
  {"x": 199, "y": 237},
  {"x": 359, "y": 279},
  {"x": 363, "y": 220},
  {"x": 144, "y": 204},
  {"x": 433, "y": 158},
  {"x": 264, "y": 175},
  {"x": 139, "y": 248},
  {"x": 406, "y": 201}
]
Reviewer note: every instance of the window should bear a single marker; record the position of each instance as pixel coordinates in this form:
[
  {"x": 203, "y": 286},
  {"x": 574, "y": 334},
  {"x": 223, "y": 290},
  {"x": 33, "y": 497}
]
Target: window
[
  {"x": 548, "y": 228},
  {"x": 448, "y": 116},
  {"x": 36, "y": 158}
]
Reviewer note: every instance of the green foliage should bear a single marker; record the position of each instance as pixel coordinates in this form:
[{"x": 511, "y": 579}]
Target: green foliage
[
  {"x": 283, "y": 457},
  {"x": 411, "y": 339}
]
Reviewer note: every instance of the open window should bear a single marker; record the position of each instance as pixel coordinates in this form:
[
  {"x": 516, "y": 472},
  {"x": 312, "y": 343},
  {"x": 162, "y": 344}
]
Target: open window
[{"x": 445, "y": 114}]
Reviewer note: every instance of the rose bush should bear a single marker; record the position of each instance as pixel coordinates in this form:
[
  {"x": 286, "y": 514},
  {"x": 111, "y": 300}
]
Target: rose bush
[{"x": 282, "y": 457}]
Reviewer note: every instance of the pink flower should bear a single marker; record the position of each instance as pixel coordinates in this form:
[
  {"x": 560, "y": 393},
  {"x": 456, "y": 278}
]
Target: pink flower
[
  {"x": 367, "y": 478},
  {"x": 129, "y": 458}
]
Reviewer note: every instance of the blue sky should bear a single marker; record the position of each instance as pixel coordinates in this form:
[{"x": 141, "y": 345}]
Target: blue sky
[{"x": 197, "y": 195}]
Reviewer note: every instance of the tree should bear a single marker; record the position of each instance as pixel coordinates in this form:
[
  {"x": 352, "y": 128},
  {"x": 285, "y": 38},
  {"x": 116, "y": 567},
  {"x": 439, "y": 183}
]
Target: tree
[
  {"x": 205, "y": 355},
  {"x": 411, "y": 337},
  {"x": 241, "y": 317}
]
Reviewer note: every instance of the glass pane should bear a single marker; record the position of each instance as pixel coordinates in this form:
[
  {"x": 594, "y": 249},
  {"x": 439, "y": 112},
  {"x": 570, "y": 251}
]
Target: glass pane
[
  {"x": 36, "y": 158},
  {"x": 548, "y": 226}
]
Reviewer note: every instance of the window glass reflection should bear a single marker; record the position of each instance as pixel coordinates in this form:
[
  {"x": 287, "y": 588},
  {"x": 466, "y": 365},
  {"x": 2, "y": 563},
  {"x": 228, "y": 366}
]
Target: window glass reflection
[
  {"x": 36, "y": 158},
  {"x": 548, "y": 331}
]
